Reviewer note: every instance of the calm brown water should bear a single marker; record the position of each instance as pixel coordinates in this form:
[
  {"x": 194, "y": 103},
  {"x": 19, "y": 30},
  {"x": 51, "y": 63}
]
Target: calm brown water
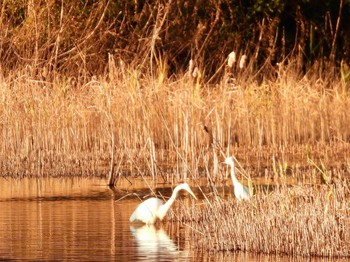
[{"x": 80, "y": 219}]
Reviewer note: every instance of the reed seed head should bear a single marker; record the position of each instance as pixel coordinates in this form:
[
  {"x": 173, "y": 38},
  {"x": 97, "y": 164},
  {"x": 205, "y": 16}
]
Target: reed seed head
[
  {"x": 195, "y": 72},
  {"x": 242, "y": 61},
  {"x": 190, "y": 67},
  {"x": 231, "y": 59}
]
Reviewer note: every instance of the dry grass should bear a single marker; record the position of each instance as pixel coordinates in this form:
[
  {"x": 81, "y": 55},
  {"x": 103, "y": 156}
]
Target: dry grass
[
  {"x": 294, "y": 220},
  {"x": 71, "y": 126}
]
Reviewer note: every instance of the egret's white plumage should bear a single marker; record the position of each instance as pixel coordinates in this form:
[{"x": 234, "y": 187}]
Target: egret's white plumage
[
  {"x": 154, "y": 208},
  {"x": 240, "y": 191}
]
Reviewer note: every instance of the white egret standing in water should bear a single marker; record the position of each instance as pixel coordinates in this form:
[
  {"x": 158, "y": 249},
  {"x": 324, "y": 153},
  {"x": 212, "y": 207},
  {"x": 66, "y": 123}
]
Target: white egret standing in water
[
  {"x": 240, "y": 191},
  {"x": 154, "y": 208}
]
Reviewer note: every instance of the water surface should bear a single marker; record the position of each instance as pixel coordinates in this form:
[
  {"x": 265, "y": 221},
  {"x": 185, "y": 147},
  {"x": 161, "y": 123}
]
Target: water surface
[
  {"x": 83, "y": 220},
  {"x": 75, "y": 219}
]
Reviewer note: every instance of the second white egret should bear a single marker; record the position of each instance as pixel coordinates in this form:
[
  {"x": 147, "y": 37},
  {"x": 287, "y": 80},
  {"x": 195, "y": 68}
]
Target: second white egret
[{"x": 241, "y": 192}]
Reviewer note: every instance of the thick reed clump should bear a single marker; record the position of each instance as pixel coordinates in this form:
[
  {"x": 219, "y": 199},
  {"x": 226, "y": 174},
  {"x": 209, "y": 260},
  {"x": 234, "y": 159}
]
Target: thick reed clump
[
  {"x": 295, "y": 220},
  {"x": 128, "y": 121}
]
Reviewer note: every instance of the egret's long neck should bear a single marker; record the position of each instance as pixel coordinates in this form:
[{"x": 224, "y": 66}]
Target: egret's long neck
[
  {"x": 233, "y": 176},
  {"x": 164, "y": 208}
]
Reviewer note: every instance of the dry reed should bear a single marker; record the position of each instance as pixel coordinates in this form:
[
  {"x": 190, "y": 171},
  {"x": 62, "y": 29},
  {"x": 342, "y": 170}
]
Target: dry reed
[
  {"x": 298, "y": 220},
  {"x": 71, "y": 126}
]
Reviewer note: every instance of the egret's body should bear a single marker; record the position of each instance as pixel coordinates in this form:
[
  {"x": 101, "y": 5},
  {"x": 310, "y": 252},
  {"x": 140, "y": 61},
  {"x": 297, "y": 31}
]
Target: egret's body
[
  {"x": 241, "y": 192},
  {"x": 154, "y": 208}
]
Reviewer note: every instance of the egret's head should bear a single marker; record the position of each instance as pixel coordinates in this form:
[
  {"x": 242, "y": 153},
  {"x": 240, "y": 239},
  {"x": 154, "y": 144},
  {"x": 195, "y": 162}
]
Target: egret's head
[
  {"x": 186, "y": 187},
  {"x": 229, "y": 161}
]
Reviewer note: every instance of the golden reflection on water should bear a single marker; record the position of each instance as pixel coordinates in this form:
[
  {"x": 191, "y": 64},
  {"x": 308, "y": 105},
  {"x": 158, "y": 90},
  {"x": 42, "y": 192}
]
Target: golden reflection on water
[
  {"x": 27, "y": 188},
  {"x": 80, "y": 219},
  {"x": 59, "y": 219}
]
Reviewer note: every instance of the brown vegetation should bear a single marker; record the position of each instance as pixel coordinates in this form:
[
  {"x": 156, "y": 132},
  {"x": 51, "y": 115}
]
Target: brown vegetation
[
  {"x": 71, "y": 126},
  {"x": 104, "y": 88},
  {"x": 294, "y": 220}
]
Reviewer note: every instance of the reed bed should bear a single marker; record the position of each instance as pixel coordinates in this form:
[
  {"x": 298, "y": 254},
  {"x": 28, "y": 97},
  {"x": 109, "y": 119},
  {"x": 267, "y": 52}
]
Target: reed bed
[
  {"x": 298, "y": 220},
  {"x": 100, "y": 88},
  {"x": 132, "y": 122}
]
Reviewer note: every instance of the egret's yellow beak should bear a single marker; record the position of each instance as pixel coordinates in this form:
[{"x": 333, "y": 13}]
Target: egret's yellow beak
[{"x": 192, "y": 194}]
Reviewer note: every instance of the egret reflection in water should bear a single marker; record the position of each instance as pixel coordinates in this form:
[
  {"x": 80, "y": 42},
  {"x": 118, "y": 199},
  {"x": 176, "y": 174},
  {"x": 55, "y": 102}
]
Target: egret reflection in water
[{"x": 153, "y": 243}]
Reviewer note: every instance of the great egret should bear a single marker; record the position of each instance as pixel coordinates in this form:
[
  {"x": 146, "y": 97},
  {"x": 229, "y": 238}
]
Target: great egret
[
  {"x": 153, "y": 208},
  {"x": 240, "y": 191}
]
